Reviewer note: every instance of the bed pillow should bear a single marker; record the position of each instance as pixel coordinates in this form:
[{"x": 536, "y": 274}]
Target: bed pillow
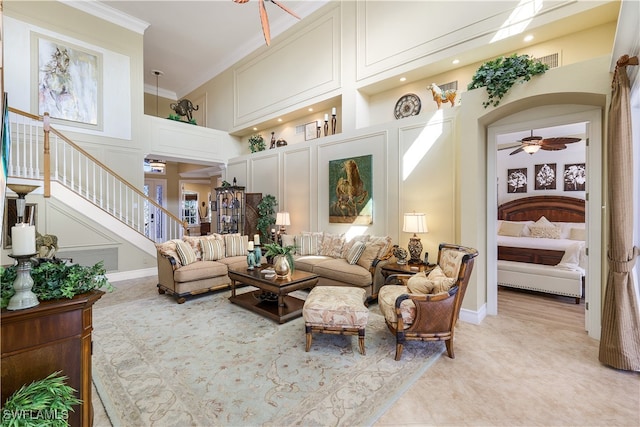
[
  {"x": 545, "y": 228},
  {"x": 577, "y": 234},
  {"x": 511, "y": 228}
]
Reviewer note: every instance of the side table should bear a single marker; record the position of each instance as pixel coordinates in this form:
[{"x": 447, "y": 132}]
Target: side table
[{"x": 395, "y": 268}]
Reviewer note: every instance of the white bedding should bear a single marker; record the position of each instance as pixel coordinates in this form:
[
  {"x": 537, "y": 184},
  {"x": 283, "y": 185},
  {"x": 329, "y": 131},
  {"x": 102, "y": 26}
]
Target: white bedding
[{"x": 536, "y": 243}]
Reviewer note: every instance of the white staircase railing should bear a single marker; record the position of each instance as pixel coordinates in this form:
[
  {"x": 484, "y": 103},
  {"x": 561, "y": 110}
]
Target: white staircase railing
[{"x": 48, "y": 155}]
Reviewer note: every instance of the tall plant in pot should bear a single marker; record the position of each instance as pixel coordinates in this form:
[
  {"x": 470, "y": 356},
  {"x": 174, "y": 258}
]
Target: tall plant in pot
[{"x": 282, "y": 258}]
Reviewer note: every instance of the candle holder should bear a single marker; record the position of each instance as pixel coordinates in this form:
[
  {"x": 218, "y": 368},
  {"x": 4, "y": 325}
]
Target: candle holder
[
  {"x": 251, "y": 260},
  {"x": 326, "y": 127},
  {"x": 24, "y": 297},
  {"x": 333, "y": 124},
  {"x": 22, "y": 191},
  {"x": 318, "y": 133},
  {"x": 258, "y": 255}
]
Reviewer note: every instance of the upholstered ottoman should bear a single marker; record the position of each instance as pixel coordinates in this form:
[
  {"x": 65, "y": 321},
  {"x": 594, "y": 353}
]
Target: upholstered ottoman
[{"x": 336, "y": 310}]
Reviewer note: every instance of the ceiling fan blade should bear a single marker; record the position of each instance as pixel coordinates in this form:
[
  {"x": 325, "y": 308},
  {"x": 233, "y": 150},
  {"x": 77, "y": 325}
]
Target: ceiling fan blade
[
  {"x": 532, "y": 138},
  {"x": 518, "y": 150},
  {"x": 508, "y": 146},
  {"x": 553, "y": 147},
  {"x": 562, "y": 140},
  {"x": 265, "y": 22},
  {"x": 286, "y": 9}
]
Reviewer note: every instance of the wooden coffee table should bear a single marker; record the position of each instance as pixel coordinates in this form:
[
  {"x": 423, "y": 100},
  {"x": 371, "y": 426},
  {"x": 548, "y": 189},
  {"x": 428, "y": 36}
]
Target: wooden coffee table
[{"x": 272, "y": 298}]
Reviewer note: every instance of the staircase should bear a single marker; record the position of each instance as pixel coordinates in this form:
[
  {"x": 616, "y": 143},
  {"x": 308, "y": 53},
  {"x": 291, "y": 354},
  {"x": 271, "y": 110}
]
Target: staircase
[{"x": 39, "y": 152}]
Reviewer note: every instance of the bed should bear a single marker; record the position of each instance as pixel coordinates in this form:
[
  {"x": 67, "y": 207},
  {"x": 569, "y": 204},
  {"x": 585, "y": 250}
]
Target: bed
[{"x": 553, "y": 264}]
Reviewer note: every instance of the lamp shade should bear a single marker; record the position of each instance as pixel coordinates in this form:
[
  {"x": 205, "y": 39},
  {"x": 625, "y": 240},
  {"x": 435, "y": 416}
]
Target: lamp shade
[
  {"x": 282, "y": 218},
  {"x": 415, "y": 223}
]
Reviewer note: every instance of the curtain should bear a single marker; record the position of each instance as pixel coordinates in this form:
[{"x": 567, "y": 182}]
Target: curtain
[{"x": 620, "y": 338}]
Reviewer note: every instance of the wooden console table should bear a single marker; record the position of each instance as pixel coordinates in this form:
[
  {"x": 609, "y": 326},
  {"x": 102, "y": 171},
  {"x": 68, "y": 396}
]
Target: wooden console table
[{"x": 53, "y": 336}]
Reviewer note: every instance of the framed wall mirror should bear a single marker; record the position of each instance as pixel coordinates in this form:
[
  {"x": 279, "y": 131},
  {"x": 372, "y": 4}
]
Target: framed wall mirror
[{"x": 11, "y": 217}]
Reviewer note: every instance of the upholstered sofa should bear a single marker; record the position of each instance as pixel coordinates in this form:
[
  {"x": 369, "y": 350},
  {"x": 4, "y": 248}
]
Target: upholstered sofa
[
  {"x": 357, "y": 262},
  {"x": 195, "y": 265}
]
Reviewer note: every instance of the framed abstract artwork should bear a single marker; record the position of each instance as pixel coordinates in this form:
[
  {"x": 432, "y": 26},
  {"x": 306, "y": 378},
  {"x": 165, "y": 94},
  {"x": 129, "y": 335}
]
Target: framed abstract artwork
[
  {"x": 350, "y": 190},
  {"x": 517, "y": 180},
  {"x": 545, "y": 176},
  {"x": 68, "y": 82},
  {"x": 575, "y": 177}
]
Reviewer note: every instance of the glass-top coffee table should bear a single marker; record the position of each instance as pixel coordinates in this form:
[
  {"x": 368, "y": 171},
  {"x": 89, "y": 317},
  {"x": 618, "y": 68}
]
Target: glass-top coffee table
[{"x": 272, "y": 298}]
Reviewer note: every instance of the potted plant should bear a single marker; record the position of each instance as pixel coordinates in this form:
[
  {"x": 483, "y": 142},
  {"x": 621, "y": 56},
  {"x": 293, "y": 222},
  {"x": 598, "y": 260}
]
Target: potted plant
[
  {"x": 43, "y": 402},
  {"x": 282, "y": 258},
  {"x": 266, "y": 212},
  {"x": 498, "y": 75},
  {"x": 55, "y": 280},
  {"x": 256, "y": 143}
]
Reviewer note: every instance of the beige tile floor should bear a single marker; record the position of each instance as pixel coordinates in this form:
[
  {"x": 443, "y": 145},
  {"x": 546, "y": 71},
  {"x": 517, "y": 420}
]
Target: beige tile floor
[{"x": 532, "y": 365}]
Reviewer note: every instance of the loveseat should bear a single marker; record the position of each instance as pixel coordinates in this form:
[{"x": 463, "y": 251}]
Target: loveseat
[
  {"x": 357, "y": 262},
  {"x": 196, "y": 265}
]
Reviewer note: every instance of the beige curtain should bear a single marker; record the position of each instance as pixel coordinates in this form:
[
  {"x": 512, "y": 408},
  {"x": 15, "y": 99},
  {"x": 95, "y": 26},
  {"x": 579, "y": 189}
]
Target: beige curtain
[{"x": 620, "y": 338}]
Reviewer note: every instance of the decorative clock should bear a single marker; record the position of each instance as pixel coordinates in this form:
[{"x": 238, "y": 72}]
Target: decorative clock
[{"x": 407, "y": 105}]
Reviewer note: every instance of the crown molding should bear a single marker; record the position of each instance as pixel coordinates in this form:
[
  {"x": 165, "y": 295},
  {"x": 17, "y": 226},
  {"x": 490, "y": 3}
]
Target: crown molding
[
  {"x": 150, "y": 89},
  {"x": 109, "y": 14}
]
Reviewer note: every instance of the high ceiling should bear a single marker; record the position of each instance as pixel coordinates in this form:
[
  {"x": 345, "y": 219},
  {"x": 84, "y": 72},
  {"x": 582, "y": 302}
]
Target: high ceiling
[{"x": 192, "y": 41}]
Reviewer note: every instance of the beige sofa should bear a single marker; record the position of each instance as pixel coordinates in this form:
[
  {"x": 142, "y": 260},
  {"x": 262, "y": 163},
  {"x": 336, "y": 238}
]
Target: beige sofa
[
  {"x": 191, "y": 266},
  {"x": 327, "y": 256},
  {"x": 182, "y": 275}
]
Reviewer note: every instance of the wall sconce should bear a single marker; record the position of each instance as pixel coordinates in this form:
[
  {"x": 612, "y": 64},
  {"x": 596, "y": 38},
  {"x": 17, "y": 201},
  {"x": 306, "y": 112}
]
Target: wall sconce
[{"x": 415, "y": 223}]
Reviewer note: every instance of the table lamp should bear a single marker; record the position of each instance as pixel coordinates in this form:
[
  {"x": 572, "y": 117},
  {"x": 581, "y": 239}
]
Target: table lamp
[
  {"x": 282, "y": 219},
  {"x": 415, "y": 223}
]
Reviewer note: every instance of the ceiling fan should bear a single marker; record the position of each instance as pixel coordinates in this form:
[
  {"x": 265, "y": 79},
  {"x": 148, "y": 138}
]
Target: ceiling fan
[{"x": 531, "y": 144}]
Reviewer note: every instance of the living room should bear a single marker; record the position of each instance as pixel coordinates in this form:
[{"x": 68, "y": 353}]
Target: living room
[{"x": 449, "y": 184}]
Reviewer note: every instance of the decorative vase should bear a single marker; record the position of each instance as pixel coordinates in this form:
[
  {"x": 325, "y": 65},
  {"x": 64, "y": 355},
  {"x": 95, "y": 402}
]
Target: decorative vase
[
  {"x": 251, "y": 260},
  {"x": 281, "y": 266},
  {"x": 258, "y": 254}
]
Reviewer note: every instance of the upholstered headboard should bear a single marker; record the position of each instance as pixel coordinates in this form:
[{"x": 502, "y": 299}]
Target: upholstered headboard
[{"x": 554, "y": 208}]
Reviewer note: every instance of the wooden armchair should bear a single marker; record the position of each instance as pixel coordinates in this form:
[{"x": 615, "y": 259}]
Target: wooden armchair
[{"x": 428, "y": 317}]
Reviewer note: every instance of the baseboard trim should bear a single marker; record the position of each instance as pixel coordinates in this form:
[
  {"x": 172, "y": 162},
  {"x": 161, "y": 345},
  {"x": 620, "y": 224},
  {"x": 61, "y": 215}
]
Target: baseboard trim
[
  {"x": 474, "y": 317},
  {"x": 133, "y": 274}
]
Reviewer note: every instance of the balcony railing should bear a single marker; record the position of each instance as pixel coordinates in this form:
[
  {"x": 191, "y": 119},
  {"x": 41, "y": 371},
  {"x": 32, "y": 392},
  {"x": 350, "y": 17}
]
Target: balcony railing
[{"x": 38, "y": 151}]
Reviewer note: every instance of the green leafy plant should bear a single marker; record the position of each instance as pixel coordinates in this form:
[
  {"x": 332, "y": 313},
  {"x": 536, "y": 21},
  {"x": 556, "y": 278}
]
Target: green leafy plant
[
  {"x": 256, "y": 143},
  {"x": 274, "y": 249},
  {"x": 52, "y": 280},
  {"x": 499, "y": 75},
  {"x": 43, "y": 402},
  {"x": 266, "y": 212}
]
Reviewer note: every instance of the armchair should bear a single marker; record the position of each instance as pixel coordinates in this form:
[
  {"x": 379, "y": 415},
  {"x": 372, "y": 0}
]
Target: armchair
[{"x": 428, "y": 317}]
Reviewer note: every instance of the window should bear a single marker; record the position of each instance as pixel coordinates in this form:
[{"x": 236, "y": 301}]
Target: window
[{"x": 190, "y": 208}]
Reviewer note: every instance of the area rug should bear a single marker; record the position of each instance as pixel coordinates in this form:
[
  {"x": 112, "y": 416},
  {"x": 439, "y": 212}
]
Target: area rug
[{"x": 209, "y": 362}]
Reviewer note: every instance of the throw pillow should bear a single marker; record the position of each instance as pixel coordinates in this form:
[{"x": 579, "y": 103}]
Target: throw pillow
[
  {"x": 194, "y": 242},
  {"x": 419, "y": 284},
  {"x": 386, "y": 250},
  {"x": 440, "y": 281},
  {"x": 332, "y": 245},
  {"x": 185, "y": 252},
  {"x": 348, "y": 244},
  {"x": 212, "y": 249},
  {"x": 577, "y": 234},
  {"x": 288, "y": 240},
  {"x": 370, "y": 254},
  {"x": 544, "y": 222},
  {"x": 169, "y": 249},
  {"x": 309, "y": 243},
  {"x": 509, "y": 228},
  {"x": 552, "y": 232},
  {"x": 355, "y": 252},
  {"x": 235, "y": 245}
]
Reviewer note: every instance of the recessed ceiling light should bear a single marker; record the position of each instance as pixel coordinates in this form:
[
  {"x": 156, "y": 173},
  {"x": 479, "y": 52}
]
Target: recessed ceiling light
[
  {"x": 255, "y": 128},
  {"x": 310, "y": 109},
  {"x": 528, "y": 38},
  {"x": 456, "y": 61},
  {"x": 279, "y": 120},
  {"x": 402, "y": 79}
]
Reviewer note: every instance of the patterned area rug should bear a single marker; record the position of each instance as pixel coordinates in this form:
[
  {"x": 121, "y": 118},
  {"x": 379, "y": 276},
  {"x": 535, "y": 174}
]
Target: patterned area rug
[{"x": 209, "y": 362}]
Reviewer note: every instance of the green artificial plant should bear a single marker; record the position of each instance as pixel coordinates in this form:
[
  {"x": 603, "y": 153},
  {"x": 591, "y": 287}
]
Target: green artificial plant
[
  {"x": 44, "y": 402},
  {"x": 55, "y": 280},
  {"x": 266, "y": 212},
  {"x": 274, "y": 249},
  {"x": 256, "y": 143},
  {"x": 499, "y": 75}
]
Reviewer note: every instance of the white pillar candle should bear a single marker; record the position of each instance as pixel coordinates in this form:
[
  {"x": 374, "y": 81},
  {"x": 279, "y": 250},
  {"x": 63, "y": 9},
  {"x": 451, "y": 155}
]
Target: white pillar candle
[
  {"x": 333, "y": 111},
  {"x": 23, "y": 239},
  {"x": 326, "y": 117},
  {"x": 256, "y": 239},
  {"x": 250, "y": 246}
]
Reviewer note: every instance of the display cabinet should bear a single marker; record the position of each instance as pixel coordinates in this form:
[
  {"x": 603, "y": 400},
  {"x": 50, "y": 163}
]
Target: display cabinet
[{"x": 230, "y": 212}]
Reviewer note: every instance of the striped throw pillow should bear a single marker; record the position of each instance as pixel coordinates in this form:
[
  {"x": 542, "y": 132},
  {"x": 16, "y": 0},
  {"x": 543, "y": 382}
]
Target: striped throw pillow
[
  {"x": 308, "y": 244},
  {"x": 235, "y": 244},
  {"x": 212, "y": 249},
  {"x": 355, "y": 252},
  {"x": 185, "y": 252}
]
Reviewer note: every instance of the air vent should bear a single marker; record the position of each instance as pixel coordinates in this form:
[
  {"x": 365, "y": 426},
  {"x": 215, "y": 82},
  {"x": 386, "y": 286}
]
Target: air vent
[
  {"x": 449, "y": 86},
  {"x": 299, "y": 129},
  {"x": 550, "y": 60}
]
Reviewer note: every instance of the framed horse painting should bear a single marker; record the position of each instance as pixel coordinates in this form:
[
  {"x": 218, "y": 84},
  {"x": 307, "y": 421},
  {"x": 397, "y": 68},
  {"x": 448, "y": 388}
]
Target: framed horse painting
[{"x": 350, "y": 190}]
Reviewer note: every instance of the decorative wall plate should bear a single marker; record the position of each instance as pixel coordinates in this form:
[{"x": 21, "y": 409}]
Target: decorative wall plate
[{"x": 407, "y": 105}]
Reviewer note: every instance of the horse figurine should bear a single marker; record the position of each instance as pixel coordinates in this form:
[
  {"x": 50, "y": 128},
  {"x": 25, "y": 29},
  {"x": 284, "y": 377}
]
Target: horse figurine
[{"x": 441, "y": 96}]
